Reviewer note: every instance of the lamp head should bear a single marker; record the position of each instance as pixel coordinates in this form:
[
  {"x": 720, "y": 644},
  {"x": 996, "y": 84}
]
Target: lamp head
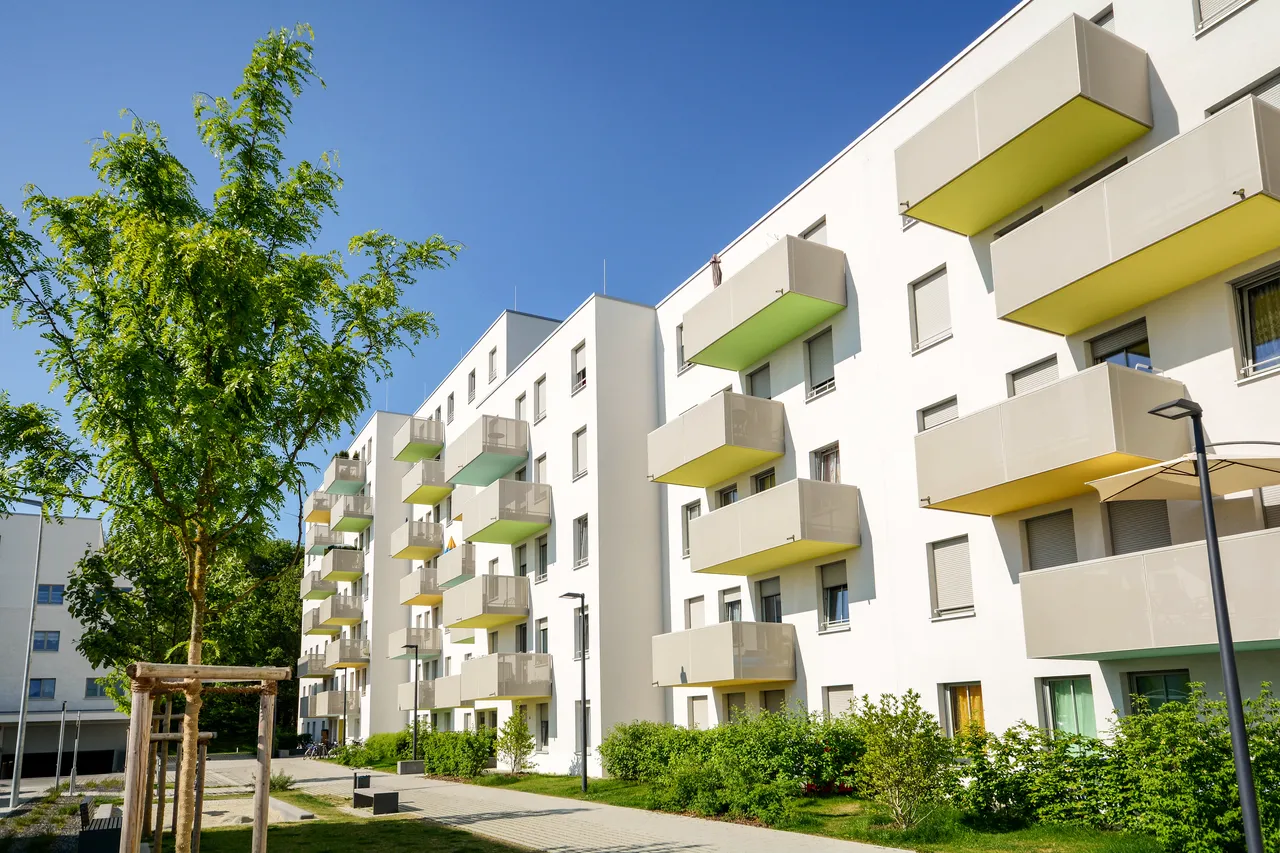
[
  {"x": 1179, "y": 408},
  {"x": 413, "y": 646},
  {"x": 580, "y": 595}
]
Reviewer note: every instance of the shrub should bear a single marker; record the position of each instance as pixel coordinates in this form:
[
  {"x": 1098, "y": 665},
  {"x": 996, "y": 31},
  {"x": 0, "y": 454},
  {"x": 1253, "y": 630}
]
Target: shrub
[
  {"x": 386, "y": 747},
  {"x": 515, "y": 743},
  {"x": 351, "y": 755},
  {"x": 907, "y": 766},
  {"x": 642, "y": 751},
  {"x": 280, "y": 782},
  {"x": 457, "y": 753}
]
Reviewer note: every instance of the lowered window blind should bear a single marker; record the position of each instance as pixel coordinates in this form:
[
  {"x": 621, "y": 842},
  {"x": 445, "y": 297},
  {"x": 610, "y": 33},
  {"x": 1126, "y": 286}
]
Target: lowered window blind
[
  {"x": 822, "y": 363},
  {"x": 818, "y": 233},
  {"x": 1271, "y": 505},
  {"x": 931, "y": 308},
  {"x": 1269, "y": 91},
  {"x": 938, "y": 413},
  {"x": 1107, "y": 20},
  {"x": 698, "y": 712},
  {"x": 1051, "y": 540},
  {"x": 833, "y": 574},
  {"x": 1138, "y": 526},
  {"x": 1118, "y": 339},
  {"x": 1034, "y": 376},
  {"x": 758, "y": 383},
  {"x": 693, "y": 613},
  {"x": 952, "y": 581},
  {"x": 838, "y": 698},
  {"x": 1209, "y": 10},
  {"x": 772, "y": 586}
]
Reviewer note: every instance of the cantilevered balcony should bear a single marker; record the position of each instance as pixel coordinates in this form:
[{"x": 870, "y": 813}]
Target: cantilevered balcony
[
  {"x": 447, "y": 693},
  {"x": 340, "y": 610},
  {"x": 312, "y": 665},
  {"x": 460, "y": 635},
  {"x": 314, "y": 626},
  {"x": 426, "y": 483},
  {"x": 507, "y": 512},
  {"x": 1153, "y": 603},
  {"x": 317, "y": 506},
  {"x": 490, "y": 448},
  {"x": 329, "y": 704},
  {"x": 344, "y": 476},
  {"x": 725, "y": 654},
  {"x": 342, "y": 564},
  {"x": 420, "y": 587},
  {"x": 418, "y": 439},
  {"x": 1047, "y": 444},
  {"x": 313, "y": 588},
  {"x": 306, "y": 705},
  {"x": 417, "y": 540},
  {"x": 426, "y": 695},
  {"x": 519, "y": 675},
  {"x": 1077, "y": 95},
  {"x": 351, "y": 513},
  {"x": 487, "y": 601},
  {"x": 429, "y": 641},
  {"x": 793, "y": 522},
  {"x": 716, "y": 440},
  {"x": 320, "y": 538},
  {"x": 1192, "y": 208},
  {"x": 791, "y": 287},
  {"x": 456, "y": 565},
  {"x": 347, "y": 654}
]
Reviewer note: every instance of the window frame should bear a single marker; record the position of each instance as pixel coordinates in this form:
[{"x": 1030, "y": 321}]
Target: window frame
[
  {"x": 471, "y": 386},
  {"x": 542, "y": 551},
  {"x": 520, "y": 406},
  {"x": 768, "y": 475},
  {"x": 493, "y": 365},
  {"x": 814, "y": 391},
  {"x": 721, "y": 493},
  {"x": 923, "y": 411},
  {"x": 820, "y": 225},
  {"x": 954, "y": 612},
  {"x": 578, "y": 375},
  {"x": 751, "y": 382},
  {"x": 580, "y": 467},
  {"x": 540, "y": 390},
  {"x": 541, "y": 637},
  {"x": 1262, "y": 278},
  {"x": 581, "y": 541},
  {"x": 685, "y": 520},
  {"x": 40, "y": 641},
  {"x": 449, "y": 409},
  {"x": 582, "y": 632},
  {"x": 949, "y": 693},
  {"x": 828, "y": 623},
  {"x": 1131, "y": 679},
  {"x": 917, "y": 344},
  {"x": 1049, "y": 703},
  {"x": 39, "y": 695},
  {"x": 682, "y": 364},
  {"x": 818, "y": 457}
]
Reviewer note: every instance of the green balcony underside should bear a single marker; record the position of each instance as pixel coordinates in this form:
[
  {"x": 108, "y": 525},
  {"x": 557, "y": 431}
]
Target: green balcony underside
[
  {"x": 508, "y": 532},
  {"x": 345, "y": 487},
  {"x": 339, "y": 575},
  {"x": 487, "y": 468},
  {"x": 782, "y": 321},
  {"x": 423, "y": 654},
  {"x": 416, "y": 451},
  {"x": 427, "y": 495},
  {"x": 352, "y": 523},
  {"x": 318, "y": 594}
]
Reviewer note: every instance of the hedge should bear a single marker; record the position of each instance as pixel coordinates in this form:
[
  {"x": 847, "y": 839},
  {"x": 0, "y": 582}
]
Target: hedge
[{"x": 442, "y": 753}]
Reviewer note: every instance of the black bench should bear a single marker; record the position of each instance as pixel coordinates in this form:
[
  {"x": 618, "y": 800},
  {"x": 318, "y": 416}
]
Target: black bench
[
  {"x": 382, "y": 800},
  {"x": 98, "y": 834}
]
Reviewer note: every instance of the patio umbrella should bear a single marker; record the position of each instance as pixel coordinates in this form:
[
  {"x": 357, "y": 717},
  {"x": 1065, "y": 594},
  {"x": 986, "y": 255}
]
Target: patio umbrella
[{"x": 1176, "y": 480}]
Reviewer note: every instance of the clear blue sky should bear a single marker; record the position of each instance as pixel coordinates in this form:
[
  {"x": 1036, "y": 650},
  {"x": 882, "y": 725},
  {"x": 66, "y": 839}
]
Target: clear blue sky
[{"x": 544, "y": 136}]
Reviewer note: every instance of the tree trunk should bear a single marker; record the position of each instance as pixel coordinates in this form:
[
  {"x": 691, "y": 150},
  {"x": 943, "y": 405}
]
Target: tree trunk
[{"x": 191, "y": 723}]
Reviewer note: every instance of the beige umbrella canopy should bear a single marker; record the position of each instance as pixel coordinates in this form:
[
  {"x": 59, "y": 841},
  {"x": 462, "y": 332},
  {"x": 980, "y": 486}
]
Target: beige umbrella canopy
[{"x": 1176, "y": 480}]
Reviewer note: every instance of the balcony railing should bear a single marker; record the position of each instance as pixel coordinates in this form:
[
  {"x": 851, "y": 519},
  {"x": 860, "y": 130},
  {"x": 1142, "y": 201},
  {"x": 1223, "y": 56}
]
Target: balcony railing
[
  {"x": 490, "y": 448},
  {"x": 725, "y": 654},
  {"x": 430, "y": 642},
  {"x": 313, "y": 588},
  {"x": 1047, "y": 444},
  {"x": 426, "y": 483},
  {"x": 447, "y": 693},
  {"x": 320, "y": 538},
  {"x": 342, "y": 564},
  {"x": 417, "y": 540},
  {"x": 426, "y": 695},
  {"x": 351, "y": 513},
  {"x": 341, "y": 610},
  {"x": 306, "y": 705},
  {"x": 312, "y": 624},
  {"x": 347, "y": 654},
  {"x": 420, "y": 587},
  {"x": 456, "y": 565},
  {"x": 507, "y": 512},
  {"x": 316, "y": 509},
  {"x": 791, "y": 523},
  {"x": 716, "y": 440},
  {"x": 1062, "y": 105},
  {"x": 519, "y": 675},
  {"x": 418, "y": 439},
  {"x": 312, "y": 665},
  {"x": 329, "y": 704},
  {"x": 344, "y": 476},
  {"x": 487, "y": 601}
]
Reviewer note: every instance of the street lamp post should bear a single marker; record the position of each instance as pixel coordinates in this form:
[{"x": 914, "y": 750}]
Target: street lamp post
[
  {"x": 414, "y": 646},
  {"x": 26, "y": 667},
  {"x": 582, "y": 606},
  {"x": 1175, "y": 410},
  {"x": 345, "y": 722}
]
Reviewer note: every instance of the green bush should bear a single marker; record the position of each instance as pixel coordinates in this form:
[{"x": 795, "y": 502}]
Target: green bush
[
  {"x": 387, "y": 747},
  {"x": 280, "y": 782},
  {"x": 515, "y": 743},
  {"x": 908, "y": 763},
  {"x": 642, "y": 751},
  {"x": 457, "y": 753},
  {"x": 351, "y": 755}
]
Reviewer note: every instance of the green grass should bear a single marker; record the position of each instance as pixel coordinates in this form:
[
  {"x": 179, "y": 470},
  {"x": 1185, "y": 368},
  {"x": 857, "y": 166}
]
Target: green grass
[{"x": 342, "y": 836}]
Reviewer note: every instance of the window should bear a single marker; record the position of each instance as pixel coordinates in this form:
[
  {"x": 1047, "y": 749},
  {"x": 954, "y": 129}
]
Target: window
[
  {"x": 937, "y": 414},
  {"x": 835, "y": 595},
  {"x": 522, "y": 561},
  {"x": 544, "y": 725},
  {"x": 773, "y": 701},
  {"x": 50, "y": 593},
  {"x": 521, "y": 474},
  {"x": 41, "y": 688},
  {"x": 449, "y": 403},
  {"x": 1259, "y": 304},
  {"x": 579, "y": 367},
  {"x": 437, "y": 414},
  {"x": 694, "y": 615},
  {"x": 950, "y": 579},
  {"x": 838, "y": 699},
  {"x": 522, "y": 637},
  {"x": 698, "y": 718},
  {"x": 1126, "y": 346},
  {"x": 1138, "y": 526},
  {"x": 1033, "y": 376},
  {"x": 770, "y": 600},
  {"x": 542, "y": 558},
  {"x": 45, "y": 641},
  {"x": 816, "y": 233},
  {"x": 493, "y": 566},
  {"x": 520, "y": 407},
  {"x": 471, "y": 386},
  {"x": 581, "y": 633},
  {"x": 731, "y": 605},
  {"x": 763, "y": 481},
  {"x": 580, "y": 453},
  {"x": 727, "y": 496},
  {"x": 826, "y": 464},
  {"x": 493, "y": 642},
  {"x": 1267, "y": 91},
  {"x": 822, "y": 366},
  {"x": 579, "y": 723},
  {"x": 735, "y": 705},
  {"x": 1270, "y": 496},
  {"x": 540, "y": 638},
  {"x": 1160, "y": 687},
  {"x": 1017, "y": 223},
  {"x": 493, "y": 364},
  {"x": 580, "y": 541},
  {"x": 1106, "y": 19},
  {"x": 540, "y": 399},
  {"x": 1211, "y": 11},
  {"x": 964, "y": 706},
  {"x": 540, "y": 469},
  {"x": 1051, "y": 540},
  {"x": 681, "y": 364},
  {"x": 93, "y": 690},
  {"x": 687, "y": 514},
  {"x": 758, "y": 383},
  {"x": 1099, "y": 175},
  {"x": 1068, "y": 705},
  {"x": 930, "y": 310}
]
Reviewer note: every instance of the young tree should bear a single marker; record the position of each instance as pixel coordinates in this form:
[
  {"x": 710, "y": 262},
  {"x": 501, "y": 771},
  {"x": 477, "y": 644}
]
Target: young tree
[
  {"x": 202, "y": 344},
  {"x": 908, "y": 766},
  {"x": 515, "y": 743}
]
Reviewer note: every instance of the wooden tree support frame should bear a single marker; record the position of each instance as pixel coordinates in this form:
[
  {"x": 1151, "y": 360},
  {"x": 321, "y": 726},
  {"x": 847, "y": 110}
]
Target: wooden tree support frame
[{"x": 148, "y": 680}]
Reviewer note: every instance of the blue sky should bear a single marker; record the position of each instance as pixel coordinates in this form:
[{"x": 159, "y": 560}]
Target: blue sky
[{"x": 545, "y": 136}]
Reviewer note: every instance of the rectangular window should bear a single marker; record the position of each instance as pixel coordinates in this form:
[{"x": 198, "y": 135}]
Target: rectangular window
[
  {"x": 45, "y": 641},
  {"x": 735, "y": 705},
  {"x": 731, "y": 605},
  {"x": 493, "y": 642},
  {"x": 579, "y": 367},
  {"x": 687, "y": 514},
  {"x": 50, "y": 593},
  {"x": 937, "y": 414},
  {"x": 93, "y": 690},
  {"x": 1270, "y": 496},
  {"x": 540, "y": 644},
  {"x": 1106, "y": 19},
  {"x": 521, "y": 474},
  {"x": 544, "y": 725},
  {"x": 770, "y": 600},
  {"x": 822, "y": 365},
  {"x": 493, "y": 364},
  {"x": 540, "y": 469},
  {"x": 580, "y": 453},
  {"x": 581, "y": 633},
  {"x": 698, "y": 718},
  {"x": 816, "y": 233},
  {"x": 964, "y": 706},
  {"x": 826, "y": 464},
  {"x": 471, "y": 386},
  {"x": 522, "y": 637},
  {"x": 763, "y": 481},
  {"x": 681, "y": 364},
  {"x": 1126, "y": 346},
  {"x": 773, "y": 701},
  {"x": 1259, "y": 305},
  {"x": 950, "y": 578},
  {"x": 835, "y": 595},
  {"x": 1033, "y": 376},
  {"x": 581, "y": 536},
  {"x": 758, "y": 383},
  {"x": 580, "y": 723},
  {"x": 493, "y": 566},
  {"x": 1160, "y": 687},
  {"x": 1138, "y": 526},
  {"x": 522, "y": 561},
  {"x": 540, "y": 399},
  {"x": 1051, "y": 540},
  {"x": 694, "y": 615},
  {"x": 437, "y": 414},
  {"x": 520, "y": 407},
  {"x": 838, "y": 699},
  {"x": 1211, "y": 11},
  {"x": 727, "y": 496},
  {"x": 41, "y": 688},
  {"x": 930, "y": 309},
  {"x": 449, "y": 404},
  {"x": 542, "y": 558},
  {"x": 1068, "y": 704}
]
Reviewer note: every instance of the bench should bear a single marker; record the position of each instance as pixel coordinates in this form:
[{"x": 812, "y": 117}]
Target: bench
[
  {"x": 101, "y": 833},
  {"x": 382, "y": 800}
]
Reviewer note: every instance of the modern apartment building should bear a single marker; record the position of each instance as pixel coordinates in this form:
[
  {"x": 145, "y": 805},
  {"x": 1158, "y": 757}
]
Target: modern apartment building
[
  {"x": 59, "y": 673},
  {"x": 854, "y": 455}
]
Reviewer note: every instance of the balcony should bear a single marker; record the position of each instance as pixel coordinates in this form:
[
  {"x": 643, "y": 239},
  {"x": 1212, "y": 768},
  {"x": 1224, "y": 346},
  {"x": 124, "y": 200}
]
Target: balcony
[
  {"x": 418, "y": 439},
  {"x": 420, "y": 587},
  {"x": 725, "y": 654},
  {"x": 342, "y": 564},
  {"x": 317, "y": 506},
  {"x": 426, "y": 483},
  {"x": 448, "y": 693},
  {"x": 1047, "y": 444},
  {"x": 314, "y": 589},
  {"x": 519, "y": 675},
  {"x": 1062, "y": 105},
  {"x": 351, "y": 513},
  {"x": 507, "y": 512},
  {"x": 1192, "y": 208},
  {"x": 312, "y": 665},
  {"x": 347, "y": 654},
  {"x": 344, "y": 476},
  {"x": 793, "y": 522},
  {"x": 417, "y": 540},
  {"x": 329, "y": 703},
  {"x": 305, "y": 705},
  {"x": 313, "y": 626},
  {"x": 487, "y": 601},
  {"x": 340, "y": 610},
  {"x": 429, "y": 641},
  {"x": 456, "y": 565},
  {"x": 1153, "y": 603},
  {"x": 426, "y": 695},
  {"x": 490, "y": 448},
  {"x": 791, "y": 287},
  {"x": 320, "y": 538},
  {"x": 460, "y": 635},
  {"x": 716, "y": 440}
]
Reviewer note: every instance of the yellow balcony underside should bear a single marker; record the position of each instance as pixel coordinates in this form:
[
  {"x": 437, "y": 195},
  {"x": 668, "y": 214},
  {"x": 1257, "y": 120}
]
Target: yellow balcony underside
[
  {"x": 338, "y": 621},
  {"x": 717, "y": 466},
  {"x": 416, "y": 552},
  {"x": 423, "y": 598},
  {"x": 776, "y": 558},
  {"x": 488, "y": 620},
  {"x": 1212, "y": 245},
  {"x": 429, "y": 495},
  {"x": 1061, "y": 145},
  {"x": 730, "y": 682},
  {"x": 323, "y": 629},
  {"x": 317, "y": 516},
  {"x": 514, "y": 697},
  {"x": 349, "y": 664},
  {"x": 341, "y": 575},
  {"x": 1064, "y": 482}
]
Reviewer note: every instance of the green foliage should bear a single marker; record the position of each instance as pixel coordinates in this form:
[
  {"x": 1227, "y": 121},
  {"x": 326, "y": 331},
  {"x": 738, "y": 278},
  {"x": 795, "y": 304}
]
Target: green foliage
[
  {"x": 515, "y": 742},
  {"x": 461, "y": 754},
  {"x": 642, "y": 750},
  {"x": 387, "y": 747},
  {"x": 907, "y": 766},
  {"x": 281, "y": 782}
]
